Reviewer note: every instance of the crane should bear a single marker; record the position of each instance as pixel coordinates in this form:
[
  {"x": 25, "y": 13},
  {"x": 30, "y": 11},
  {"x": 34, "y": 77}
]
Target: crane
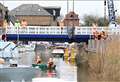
[
  {"x": 111, "y": 11},
  {"x": 111, "y": 15}
]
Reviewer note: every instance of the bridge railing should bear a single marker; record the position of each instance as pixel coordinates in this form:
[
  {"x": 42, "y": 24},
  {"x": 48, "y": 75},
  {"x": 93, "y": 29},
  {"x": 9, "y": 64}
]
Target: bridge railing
[
  {"x": 37, "y": 30},
  {"x": 56, "y": 30}
]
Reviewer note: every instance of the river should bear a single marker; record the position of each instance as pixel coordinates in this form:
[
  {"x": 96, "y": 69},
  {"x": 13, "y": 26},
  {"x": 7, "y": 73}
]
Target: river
[{"x": 63, "y": 71}]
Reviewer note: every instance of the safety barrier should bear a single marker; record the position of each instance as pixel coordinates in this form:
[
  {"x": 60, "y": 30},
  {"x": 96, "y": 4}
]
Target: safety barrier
[{"x": 56, "y": 30}]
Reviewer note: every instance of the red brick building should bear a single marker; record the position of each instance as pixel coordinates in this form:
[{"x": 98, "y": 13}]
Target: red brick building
[
  {"x": 71, "y": 19},
  {"x": 36, "y": 15},
  {"x": 3, "y": 11}
]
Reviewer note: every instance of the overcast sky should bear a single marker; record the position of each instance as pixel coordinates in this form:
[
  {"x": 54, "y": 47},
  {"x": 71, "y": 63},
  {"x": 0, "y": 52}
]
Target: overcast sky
[{"x": 81, "y": 7}]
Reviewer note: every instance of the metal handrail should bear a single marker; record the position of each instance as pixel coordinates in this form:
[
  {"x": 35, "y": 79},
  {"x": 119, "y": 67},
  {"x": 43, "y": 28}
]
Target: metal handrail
[{"x": 56, "y": 30}]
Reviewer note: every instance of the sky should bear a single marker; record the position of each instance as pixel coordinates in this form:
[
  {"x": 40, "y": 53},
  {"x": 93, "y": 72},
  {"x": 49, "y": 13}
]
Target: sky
[{"x": 81, "y": 7}]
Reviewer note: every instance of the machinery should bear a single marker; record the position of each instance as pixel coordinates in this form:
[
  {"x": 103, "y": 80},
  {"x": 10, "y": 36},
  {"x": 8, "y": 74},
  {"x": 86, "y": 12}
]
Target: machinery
[
  {"x": 111, "y": 11},
  {"x": 111, "y": 17}
]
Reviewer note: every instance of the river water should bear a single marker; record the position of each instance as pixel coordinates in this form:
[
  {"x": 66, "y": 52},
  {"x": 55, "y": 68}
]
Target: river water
[{"x": 63, "y": 71}]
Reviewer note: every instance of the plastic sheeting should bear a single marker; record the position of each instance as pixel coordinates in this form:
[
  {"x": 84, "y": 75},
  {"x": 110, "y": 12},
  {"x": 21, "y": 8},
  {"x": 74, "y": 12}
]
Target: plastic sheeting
[
  {"x": 8, "y": 52},
  {"x": 58, "y": 51}
]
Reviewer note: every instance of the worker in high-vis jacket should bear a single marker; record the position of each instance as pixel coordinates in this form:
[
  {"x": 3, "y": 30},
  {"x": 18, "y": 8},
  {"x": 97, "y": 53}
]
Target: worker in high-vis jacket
[{"x": 17, "y": 24}]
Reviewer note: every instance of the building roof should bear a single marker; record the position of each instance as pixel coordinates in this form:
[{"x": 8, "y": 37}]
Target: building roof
[
  {"x": 52, "y": 7},
  {"x": 3, "y": 7},
  {"x": 29, "y": 9}
]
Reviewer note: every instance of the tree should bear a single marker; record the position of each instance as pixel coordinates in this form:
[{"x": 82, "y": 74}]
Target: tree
[
  {"x": 90, "y": 19},
  {"x": 118, "y": 19},
  {"x": 102, "y": 22}
]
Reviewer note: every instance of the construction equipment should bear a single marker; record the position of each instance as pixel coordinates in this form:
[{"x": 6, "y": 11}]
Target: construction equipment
[{"x": 111, "y": 12}]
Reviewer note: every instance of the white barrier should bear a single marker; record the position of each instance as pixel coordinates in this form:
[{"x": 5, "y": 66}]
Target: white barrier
[
  {"x": 49, "y": 80},
  {"x": 56, "y": 30}
]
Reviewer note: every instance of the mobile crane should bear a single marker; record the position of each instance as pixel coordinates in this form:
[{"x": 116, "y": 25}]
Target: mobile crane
[
  {"x": 111, "y": 17},
  {"x": 111, "y": 11}
]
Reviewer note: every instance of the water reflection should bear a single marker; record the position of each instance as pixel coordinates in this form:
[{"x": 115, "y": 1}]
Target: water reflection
[
  {"x": 18, "y": 74},
  {"x": 27, "y": 58},
  {"x": 66, "y": 71}
]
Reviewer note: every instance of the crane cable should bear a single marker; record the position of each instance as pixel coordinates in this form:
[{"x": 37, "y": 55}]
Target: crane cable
[
  {"x": 104, "y": 11},
  {"x": 101, "y": 42},
  {"x": 73, "y": 27},
  {"x": 70, "y": 30},
  {"x": 67, "y": 7},
  {"x": 67, "y": 11}
]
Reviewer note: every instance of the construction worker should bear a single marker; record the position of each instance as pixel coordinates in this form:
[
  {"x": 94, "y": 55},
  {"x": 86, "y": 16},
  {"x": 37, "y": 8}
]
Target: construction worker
[
  {"x": 38, "y": 60},
  {"x": 103, "y": 35},
  {"x": 2, "y": 61},
  {"x": 51, "y": 64},
  {"x": 17, "y": 24}
]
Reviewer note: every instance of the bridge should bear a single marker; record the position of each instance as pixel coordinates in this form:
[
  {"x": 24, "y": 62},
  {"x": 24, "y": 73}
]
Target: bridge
[{"x": 55, "y": 33}]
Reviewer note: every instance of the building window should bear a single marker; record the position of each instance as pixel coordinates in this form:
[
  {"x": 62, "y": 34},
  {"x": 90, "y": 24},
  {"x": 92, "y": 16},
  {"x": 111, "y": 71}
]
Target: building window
[{"x": 71, "y": 16}]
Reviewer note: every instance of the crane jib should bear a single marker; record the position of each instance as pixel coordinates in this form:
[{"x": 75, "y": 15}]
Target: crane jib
[{"x": 111, "y": 11}]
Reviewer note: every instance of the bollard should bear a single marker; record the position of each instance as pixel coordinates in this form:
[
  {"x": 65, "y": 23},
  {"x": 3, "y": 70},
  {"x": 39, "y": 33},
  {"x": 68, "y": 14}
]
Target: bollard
[
  {"x": 66, "y": 54},
  {"x": 72, "y": 57}
]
